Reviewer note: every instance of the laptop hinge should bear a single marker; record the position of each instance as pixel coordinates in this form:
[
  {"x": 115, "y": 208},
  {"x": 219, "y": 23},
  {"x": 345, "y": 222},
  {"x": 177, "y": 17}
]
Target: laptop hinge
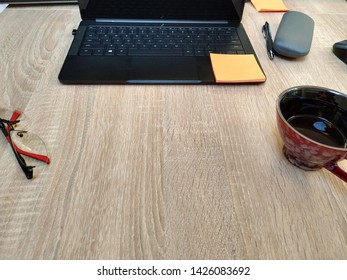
[{"x": 103, "y": 20}]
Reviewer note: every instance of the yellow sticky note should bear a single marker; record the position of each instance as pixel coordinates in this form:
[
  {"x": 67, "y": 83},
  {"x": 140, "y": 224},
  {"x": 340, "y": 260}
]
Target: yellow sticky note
[
  {"x": 269, "y": 5},
  {"x": 236, "y": 68}
]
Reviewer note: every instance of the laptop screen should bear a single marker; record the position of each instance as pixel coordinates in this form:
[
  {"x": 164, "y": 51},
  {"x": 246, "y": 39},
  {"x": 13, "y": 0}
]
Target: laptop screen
[{"x": 205, "y": 10}]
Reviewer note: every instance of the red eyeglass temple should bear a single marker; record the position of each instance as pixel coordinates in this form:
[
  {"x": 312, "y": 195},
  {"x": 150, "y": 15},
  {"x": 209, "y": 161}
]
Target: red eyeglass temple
[{"x": 16, "y": 114}]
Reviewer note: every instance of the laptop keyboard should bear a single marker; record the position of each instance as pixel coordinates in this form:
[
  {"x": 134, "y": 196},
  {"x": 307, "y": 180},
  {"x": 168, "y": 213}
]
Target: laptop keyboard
[{"x": 159, "y": 41}]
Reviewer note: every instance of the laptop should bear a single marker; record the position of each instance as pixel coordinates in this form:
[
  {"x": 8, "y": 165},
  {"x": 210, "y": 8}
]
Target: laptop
[{"x": 153, "y": 41}]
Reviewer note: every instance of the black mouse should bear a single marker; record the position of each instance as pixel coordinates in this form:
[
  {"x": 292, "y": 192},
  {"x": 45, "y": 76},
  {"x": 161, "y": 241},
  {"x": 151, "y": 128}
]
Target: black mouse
[{"x": 340, "y": 50}]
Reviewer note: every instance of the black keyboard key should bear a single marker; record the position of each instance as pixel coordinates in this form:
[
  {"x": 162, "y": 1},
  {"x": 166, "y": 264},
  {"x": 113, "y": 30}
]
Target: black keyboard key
[
  {"x": 188, "y": 53},
  {"x": 98, "y": 52},
  {"x": 121, "y": 52},
  {"x": 199, "y": 53},
  {"x": 110, "y": 52},
  {"x": 92, "y": 46},
  {"x": 85, "y": 52},
  {"x": 228, "y": 47}
]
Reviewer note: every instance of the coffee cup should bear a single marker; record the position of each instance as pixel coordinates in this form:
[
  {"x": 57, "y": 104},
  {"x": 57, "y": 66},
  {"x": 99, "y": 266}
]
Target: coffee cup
[{"x": 312, "y": 122}]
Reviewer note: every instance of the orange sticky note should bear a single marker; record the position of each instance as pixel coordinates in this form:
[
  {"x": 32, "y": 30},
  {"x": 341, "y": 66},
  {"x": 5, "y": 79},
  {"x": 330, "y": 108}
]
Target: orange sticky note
[
  {"x": 269, "y": 5},
  {"x": 236, "y": 68}
]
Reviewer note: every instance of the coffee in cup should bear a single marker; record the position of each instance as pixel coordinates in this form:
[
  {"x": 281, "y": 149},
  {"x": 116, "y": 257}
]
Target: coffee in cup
[{"x": 312, "y": 122}]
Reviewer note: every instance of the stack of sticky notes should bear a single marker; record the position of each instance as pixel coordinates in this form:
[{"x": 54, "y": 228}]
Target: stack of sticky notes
[
  {"x": 236, "y": 68},
  {"x": 269, "y": 5}
]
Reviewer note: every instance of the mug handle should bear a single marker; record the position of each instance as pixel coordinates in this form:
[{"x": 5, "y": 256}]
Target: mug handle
[{"x": 337, "y": 170}]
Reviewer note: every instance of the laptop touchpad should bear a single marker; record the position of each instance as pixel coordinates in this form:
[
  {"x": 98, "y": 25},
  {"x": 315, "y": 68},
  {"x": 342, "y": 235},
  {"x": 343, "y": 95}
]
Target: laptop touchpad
[{"x": 164, "y": 70}]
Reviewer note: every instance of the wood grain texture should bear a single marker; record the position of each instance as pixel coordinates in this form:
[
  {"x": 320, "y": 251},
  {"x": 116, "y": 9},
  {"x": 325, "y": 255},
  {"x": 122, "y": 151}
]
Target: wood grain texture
[{"x": 164, "y": 172}]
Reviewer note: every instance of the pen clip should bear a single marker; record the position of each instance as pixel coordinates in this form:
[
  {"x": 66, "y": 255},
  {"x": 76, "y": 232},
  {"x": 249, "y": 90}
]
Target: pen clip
[
  {"x": 266, "y": 31},
  {"x": 263, "y": 31}
]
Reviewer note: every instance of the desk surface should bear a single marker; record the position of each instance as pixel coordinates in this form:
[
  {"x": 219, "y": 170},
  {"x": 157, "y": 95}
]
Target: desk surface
[{"x": 164, "y": 172}]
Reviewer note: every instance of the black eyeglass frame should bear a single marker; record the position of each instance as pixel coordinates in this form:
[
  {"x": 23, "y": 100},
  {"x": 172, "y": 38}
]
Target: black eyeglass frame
[{"x": 28, "y": 170}]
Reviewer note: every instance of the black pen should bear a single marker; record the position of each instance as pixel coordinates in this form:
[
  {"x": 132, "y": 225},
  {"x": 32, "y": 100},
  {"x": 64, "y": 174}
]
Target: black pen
[{"x": 269, "y": 43}]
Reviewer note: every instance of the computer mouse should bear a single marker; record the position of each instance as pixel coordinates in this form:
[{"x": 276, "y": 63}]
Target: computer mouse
[{"x": 340, "y": 50}]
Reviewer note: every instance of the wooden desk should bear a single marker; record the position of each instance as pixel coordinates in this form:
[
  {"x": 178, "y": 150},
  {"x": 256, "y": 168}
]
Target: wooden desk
[{"x": 164, "y": 172}]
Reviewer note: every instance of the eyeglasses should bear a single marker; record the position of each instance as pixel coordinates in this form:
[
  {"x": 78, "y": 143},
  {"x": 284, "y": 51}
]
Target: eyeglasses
[{"x": 28, "y": 148}]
